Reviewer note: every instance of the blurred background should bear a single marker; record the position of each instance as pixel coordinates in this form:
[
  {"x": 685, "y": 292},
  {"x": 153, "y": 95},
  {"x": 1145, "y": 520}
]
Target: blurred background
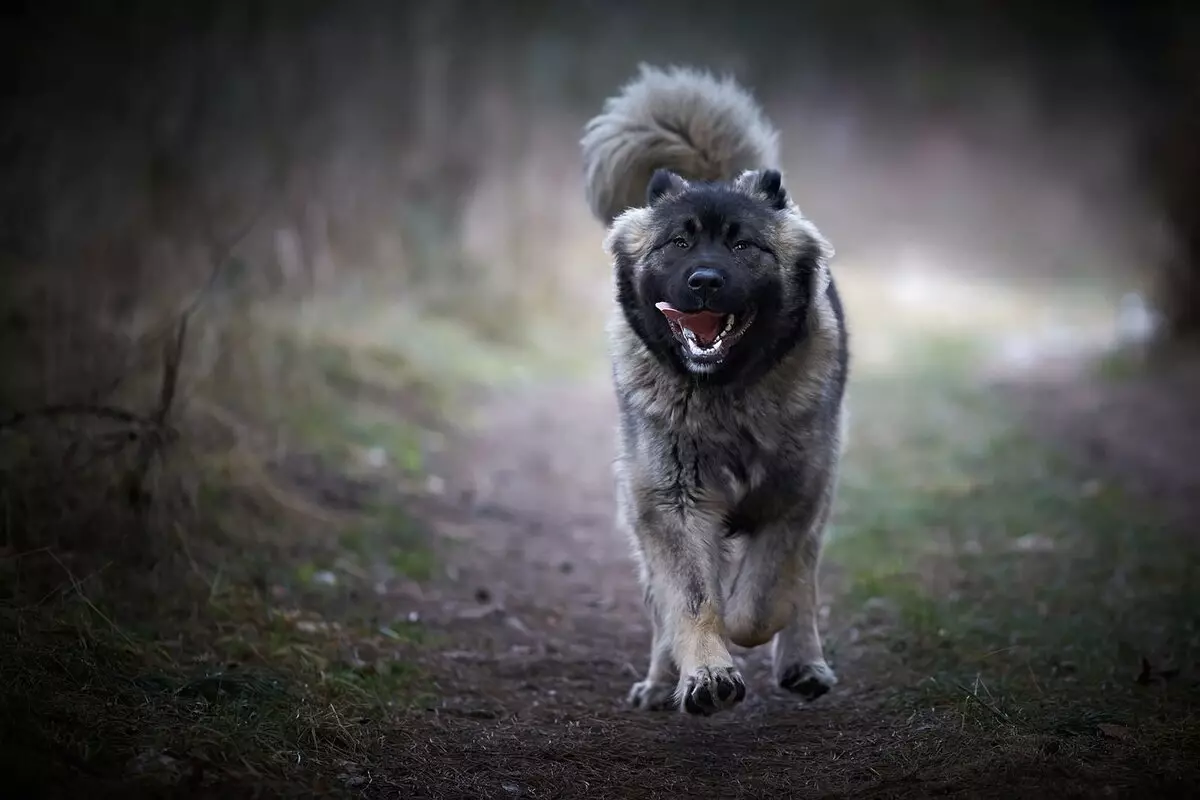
[
  {"x": 432, "y": 148},
  {"x": 260, "y": 257}
]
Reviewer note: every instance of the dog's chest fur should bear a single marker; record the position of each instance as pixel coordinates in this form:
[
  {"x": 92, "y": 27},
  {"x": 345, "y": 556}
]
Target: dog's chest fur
[{"x": 748, "y": 457}]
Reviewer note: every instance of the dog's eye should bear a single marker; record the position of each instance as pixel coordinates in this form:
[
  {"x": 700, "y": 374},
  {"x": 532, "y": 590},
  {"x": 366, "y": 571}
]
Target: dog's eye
[
  {"x": 742, "y": 245},
  {"x": 679, "y": 241}
]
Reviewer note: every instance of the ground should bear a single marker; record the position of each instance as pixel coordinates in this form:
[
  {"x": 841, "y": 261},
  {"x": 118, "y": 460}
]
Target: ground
[{"x": 1009, "y": 586}]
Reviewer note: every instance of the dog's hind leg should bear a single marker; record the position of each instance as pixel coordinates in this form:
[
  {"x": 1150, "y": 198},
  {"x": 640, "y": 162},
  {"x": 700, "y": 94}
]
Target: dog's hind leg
[
  {"x": 798, "y": 660},
  {"x": 774, "y": 597}
]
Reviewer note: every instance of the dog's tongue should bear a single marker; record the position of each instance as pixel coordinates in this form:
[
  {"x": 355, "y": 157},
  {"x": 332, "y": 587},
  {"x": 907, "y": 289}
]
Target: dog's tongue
[{"x": 704, "y": 325}]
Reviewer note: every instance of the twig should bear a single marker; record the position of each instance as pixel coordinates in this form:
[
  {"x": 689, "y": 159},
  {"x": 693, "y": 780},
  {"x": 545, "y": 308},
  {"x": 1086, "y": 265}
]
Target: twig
[
  {"x": 151, "y": 445},
  {"x": 172, "y": 360},
  {"x": 220, "y": 260},
  {"x": 25, "y": 553},
  {"x": 1033, "y": 678},
  {"x": 79, "y": 591},
  {"x": 75, "y": 409},
  {"x": 991, "y": 709}
]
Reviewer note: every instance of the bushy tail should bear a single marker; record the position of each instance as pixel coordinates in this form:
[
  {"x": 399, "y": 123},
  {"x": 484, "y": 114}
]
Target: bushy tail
[{"x": 681, "y": 119}]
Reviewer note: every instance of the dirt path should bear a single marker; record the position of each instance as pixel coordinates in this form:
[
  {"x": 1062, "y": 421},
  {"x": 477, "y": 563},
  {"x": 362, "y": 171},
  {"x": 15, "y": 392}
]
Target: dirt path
[
  {"x": 548, "y": 634},
  {"x": 544, "y": 633}
]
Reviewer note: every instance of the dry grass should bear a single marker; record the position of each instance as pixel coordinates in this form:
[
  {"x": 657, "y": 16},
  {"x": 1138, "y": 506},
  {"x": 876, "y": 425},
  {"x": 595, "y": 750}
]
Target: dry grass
[{"x": 229, "y": 625}]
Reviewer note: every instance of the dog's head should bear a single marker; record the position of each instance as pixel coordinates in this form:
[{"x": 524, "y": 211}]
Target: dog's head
[{"x": 717, "y": 278}]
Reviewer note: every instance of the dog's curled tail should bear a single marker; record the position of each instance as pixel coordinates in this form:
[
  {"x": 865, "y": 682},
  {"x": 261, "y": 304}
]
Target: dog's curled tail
[{"x": 682, "y": 119}]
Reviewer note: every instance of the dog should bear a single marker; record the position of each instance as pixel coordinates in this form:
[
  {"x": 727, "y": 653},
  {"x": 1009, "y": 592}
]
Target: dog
[{"x": 730, "y": 356}]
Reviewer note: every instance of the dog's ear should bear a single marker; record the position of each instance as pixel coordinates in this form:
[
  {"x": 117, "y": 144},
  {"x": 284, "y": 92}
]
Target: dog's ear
[
  {"x": 770, "y": 185},
  {"x": 765, "y": 185},
  {"x": 662, "y": 183}
]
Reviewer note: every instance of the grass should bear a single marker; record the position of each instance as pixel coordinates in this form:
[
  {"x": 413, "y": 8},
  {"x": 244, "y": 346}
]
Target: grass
[
  {"x": 1000, "y": 589},
  {"x": 261, "y": 697},
  {"x": 227, "y": 636}
]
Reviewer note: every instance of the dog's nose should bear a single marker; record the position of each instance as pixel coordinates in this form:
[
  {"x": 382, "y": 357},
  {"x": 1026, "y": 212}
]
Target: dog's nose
[{"x": 706, "y": 281}]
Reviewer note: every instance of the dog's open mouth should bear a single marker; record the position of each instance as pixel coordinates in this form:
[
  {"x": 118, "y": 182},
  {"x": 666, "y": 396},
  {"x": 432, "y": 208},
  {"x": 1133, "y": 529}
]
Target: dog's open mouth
[{"x": 706, "y": 336}]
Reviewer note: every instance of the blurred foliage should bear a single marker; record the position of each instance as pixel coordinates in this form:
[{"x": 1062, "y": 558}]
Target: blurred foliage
[{"x": 352, "y": 139}]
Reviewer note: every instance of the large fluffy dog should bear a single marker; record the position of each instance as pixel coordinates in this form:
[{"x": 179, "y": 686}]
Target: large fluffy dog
[{"x": 729, "y": 362}]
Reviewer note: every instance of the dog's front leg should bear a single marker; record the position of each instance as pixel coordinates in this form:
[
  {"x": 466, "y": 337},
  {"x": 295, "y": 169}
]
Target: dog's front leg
[
  {"x": 656, "y": 692},
  {"x": 682, "y": 567}
]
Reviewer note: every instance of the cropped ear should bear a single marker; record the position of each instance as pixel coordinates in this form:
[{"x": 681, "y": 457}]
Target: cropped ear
[
  {"x": 663, "y": 182},
  {"x": 766, "y": 185}
]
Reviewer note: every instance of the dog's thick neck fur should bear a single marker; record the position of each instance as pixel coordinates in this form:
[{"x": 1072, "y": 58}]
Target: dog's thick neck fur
[{"x": 812, "y": 368}]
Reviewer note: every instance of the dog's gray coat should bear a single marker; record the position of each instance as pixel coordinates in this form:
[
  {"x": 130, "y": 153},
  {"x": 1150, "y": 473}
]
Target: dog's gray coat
[{"x": 725, "y": 476}]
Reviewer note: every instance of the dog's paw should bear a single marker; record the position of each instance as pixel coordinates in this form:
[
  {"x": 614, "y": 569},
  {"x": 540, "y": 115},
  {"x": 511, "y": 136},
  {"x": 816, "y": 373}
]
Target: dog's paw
[
  {"x": 711, "y": 689},
  {"x": 810, "y": 681},
  {"x": 653, "y": 696}
]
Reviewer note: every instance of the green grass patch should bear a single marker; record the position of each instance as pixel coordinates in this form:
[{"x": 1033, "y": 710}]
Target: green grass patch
[
  {"x": 388, "y": 536},
  {"x": 1001, "y": 586}
]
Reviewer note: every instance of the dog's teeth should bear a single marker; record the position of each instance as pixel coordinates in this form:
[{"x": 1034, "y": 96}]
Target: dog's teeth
[
  {"x": 697, "y": 349},
  {"x": 728, "y": 324}
]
